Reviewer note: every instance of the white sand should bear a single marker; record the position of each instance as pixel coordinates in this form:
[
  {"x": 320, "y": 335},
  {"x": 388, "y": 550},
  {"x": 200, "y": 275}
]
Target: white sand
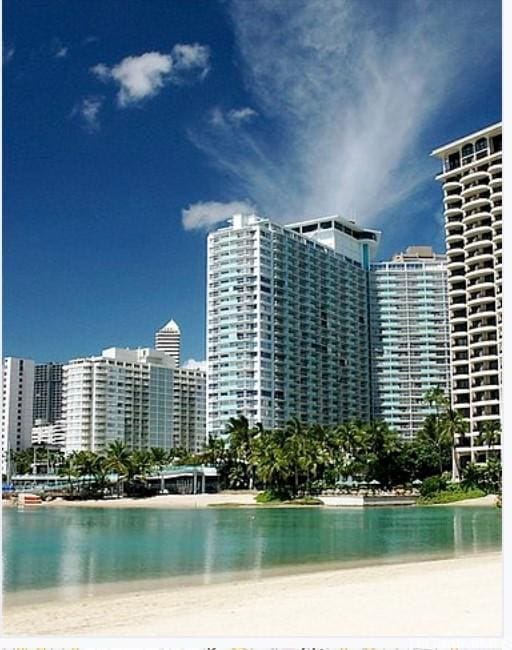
[
  {"x": 457, "y": 597},
  {"x": 165, "y": 501}
]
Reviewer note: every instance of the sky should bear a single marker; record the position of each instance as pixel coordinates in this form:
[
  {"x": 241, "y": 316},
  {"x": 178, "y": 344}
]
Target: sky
[{"x": 132, "y": 127}]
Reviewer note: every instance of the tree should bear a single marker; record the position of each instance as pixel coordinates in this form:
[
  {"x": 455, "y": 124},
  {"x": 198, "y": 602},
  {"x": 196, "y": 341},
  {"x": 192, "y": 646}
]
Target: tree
[
  {"x": 453, "y": 425},
  {"x": 117, "y": 460},
  {"x": 435, "y": 441}
]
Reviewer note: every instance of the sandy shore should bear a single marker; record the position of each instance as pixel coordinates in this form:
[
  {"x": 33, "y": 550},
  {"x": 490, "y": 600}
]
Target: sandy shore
[
  {"x": 164, "y": 501},
  {"x": 240, "y": 498},
  {"x": 457, "y": 597},
  {"x": 487, "y": 500}
]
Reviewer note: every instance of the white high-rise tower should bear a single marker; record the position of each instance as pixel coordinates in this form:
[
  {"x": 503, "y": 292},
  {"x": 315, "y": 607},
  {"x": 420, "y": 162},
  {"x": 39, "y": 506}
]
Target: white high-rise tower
[
  {"x": 168, "y": 339},
  {"x": 471, "y": 180}
]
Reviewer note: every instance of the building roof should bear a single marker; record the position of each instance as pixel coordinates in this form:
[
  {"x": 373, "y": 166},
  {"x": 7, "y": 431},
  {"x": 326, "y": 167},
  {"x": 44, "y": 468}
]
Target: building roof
[
  {"x": 172, "y": 326},
  {"x": 493, "y": 128}
]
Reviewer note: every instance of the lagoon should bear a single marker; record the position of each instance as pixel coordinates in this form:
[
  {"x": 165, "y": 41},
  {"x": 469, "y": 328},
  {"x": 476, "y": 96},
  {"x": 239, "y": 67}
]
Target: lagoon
[{"x": 56, "y": 549}]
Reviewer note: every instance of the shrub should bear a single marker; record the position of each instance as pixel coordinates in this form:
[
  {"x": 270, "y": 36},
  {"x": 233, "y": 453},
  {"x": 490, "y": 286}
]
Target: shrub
[
  {"x": 268, "y": 497},
  {"x": 450, "y": 496},
  {"x": 432, "y": 485}
]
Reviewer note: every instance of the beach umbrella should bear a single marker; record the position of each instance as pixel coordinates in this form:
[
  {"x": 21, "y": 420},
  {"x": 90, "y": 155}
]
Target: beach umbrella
[
  {"x": 417, "y": 482},
  {"x": 374, "y": 482}
]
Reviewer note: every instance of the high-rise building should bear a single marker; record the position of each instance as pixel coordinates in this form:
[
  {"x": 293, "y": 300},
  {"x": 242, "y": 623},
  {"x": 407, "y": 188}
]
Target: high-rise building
[
  {"x": 47, "y": 393},
  {"x": 471, "y": 181},
  {"x": 410, "y": 336},
  {"x": 189, "y": 409},
  {"x": 168, "y": 340},
  {"x": 17, "y": 403},
  {"x": 288, "y": 322},
  {"x": 123, "y": 395}
]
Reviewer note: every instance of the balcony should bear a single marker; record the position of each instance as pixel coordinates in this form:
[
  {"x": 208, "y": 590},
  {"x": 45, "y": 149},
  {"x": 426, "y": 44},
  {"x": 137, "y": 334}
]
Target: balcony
[
  {"x": 453, "y": 211},
  {"x": 481, "y": 227},
  {"x": 474, "y": 175},
  {"x": 474, "y": 188},
  {"x": 478, "y": 201}
]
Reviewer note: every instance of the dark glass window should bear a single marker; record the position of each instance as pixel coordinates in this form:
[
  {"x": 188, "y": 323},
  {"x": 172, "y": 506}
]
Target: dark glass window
[
  {"x": 481, "y": 144},
  {"x": 467, "y": 150}
]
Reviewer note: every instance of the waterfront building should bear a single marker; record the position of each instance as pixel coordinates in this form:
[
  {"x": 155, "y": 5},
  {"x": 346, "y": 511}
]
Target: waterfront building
[
  {"x": 288, "y": 321},
  {"x": 124, "y": 395},
  {"x": 410, "y": 336},
  {"x": 471, "y": 179},
  {"x": 168, "y": 340},
  {"x": 51, "y": 435},
  {"x": 47, "y": 393},
  {"x": 189, "y": 409},
  {"x": 17, "y": 403}
]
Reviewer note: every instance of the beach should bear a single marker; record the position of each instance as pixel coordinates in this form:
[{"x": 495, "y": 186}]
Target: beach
[
  {"x": 226, "y": 498},
  {"x": 446, "y": 597}
]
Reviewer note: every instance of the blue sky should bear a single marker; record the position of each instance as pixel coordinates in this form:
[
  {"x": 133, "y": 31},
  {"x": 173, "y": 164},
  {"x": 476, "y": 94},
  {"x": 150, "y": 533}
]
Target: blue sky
[{"x": 130, "y": 127}]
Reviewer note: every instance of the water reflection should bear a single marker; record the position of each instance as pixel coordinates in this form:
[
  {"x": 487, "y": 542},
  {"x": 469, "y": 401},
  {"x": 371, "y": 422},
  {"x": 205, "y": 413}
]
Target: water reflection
[{"x": 78, "y": 548}]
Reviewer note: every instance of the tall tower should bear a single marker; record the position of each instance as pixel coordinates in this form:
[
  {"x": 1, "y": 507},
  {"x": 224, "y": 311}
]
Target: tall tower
[
  {"x": 168, "y": 340},
  {"x": 288, "y": 322},
  {"x": 47, "y": 393},
  {"x": 17, "y": 403},
  {"x": 410, "y": 336},
  {"x": 471, "y": 181}
]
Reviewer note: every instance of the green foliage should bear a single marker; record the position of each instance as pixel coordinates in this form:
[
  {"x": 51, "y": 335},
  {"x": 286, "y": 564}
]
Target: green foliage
[
  {"x": 266, "y": 497},
  {"x": 450, "y": 496},
  {"x": 484, "y": 477},
  {"x": 433, "y": 485}
]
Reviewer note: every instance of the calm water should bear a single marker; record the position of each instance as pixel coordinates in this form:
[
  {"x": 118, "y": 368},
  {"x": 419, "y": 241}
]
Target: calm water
[{"x": 81, "y": 548}]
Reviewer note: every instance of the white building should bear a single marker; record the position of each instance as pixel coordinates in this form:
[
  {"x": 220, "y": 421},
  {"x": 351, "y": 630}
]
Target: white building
[
  {"x": 410, "y": 336},
  {"x": 288, "y": 322},
  {"x": 53, "y": 435},
  {"x": 17, "y": 403},
  {"x": 123, "y": 395},
  {"x": 138, "y": 397},
  {"x": 471, "y": 181},
  {"x": 168, "y": 340},
  {"x": 189, "y": 409}
]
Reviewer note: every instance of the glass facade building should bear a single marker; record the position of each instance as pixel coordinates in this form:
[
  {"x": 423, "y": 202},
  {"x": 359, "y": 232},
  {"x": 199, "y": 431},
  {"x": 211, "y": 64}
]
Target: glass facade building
[
  {"x": 288, "y": 322},
  {"x": 410, "y": 336},
  {"x": 123, "y": 395}
]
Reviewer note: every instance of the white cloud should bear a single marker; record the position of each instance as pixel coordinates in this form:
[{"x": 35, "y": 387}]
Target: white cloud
[
  {"x": 350, "y": 91},
  {"x": 235, "y": 116},
  {"x": 192, "y": 364},
  {"x": 59, "y": 50},
  {"x": 88, "y": 110},
  {"x": 210, "y": 213},
  {"x": 8, "y": 53},
  {"x": 141, "y": 77},
  {"x": 238, "y": 115},
  {"x": 187, "y": 57}
]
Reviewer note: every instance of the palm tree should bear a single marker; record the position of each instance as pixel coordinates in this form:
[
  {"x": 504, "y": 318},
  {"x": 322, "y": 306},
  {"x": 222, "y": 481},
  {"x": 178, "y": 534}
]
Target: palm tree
[
  {"x": 489, "y": 435},
  {"x": 68, "y": 469},
  {"x": 436, "y": 438},
  {"x": 117, "y": 460},
  {"x": 436, "y": 397},
  {"x": 453, "y": 425},
  {"x": 159, "y": 457}
]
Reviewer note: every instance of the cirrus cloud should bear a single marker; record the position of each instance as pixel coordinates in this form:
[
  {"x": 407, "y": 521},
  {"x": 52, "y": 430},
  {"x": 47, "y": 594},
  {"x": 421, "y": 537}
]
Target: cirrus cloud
[{"x": 346, "y": 97}]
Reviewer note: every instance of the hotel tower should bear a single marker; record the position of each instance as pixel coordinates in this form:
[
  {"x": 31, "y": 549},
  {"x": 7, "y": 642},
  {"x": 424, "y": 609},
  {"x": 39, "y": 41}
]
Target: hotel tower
[
  {"x": 471, "y": 181},
  {"x": 288, "y": 322},
  {"x": 410, "y": 336},
  {"x": 168, "y": 340}
]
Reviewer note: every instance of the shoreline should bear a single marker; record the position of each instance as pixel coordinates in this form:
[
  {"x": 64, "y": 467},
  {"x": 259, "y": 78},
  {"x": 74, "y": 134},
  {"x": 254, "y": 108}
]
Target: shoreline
[
  {"x": 426, "y": 597},
  {"x": 222, "y": 499}
]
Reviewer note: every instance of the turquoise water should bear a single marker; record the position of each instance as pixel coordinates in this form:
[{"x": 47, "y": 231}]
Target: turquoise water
[{"x": 85, "y": 547}]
